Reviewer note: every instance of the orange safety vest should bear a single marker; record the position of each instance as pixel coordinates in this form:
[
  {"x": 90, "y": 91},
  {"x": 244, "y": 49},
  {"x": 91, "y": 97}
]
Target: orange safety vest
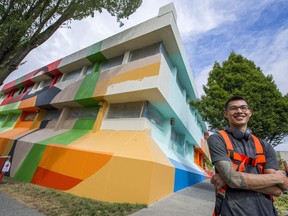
[{"x": 259, "y": 161}]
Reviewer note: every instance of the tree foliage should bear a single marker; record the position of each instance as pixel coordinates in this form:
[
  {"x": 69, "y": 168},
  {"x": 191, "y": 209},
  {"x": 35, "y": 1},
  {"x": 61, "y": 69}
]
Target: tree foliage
[
  {"x": 26, "y": 24},
  {"x": 240, "y": 76}
]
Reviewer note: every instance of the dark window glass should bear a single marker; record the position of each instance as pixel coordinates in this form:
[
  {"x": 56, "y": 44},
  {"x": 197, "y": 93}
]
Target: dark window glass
[
  {"x": 126, "y": 110},
  {"x": 145, "y": 52}
]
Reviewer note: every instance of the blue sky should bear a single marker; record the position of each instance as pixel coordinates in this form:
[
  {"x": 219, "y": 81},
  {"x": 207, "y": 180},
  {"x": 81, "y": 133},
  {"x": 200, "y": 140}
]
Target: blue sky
[
  {"x": 210, "y": 30},
  {"x": 256, "y": 29}
]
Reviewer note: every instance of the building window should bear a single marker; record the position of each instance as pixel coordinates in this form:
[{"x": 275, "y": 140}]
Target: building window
[
  {"x": 11, "y": 94},
  {"x": 30, "y": 117},
  {"x": 14, "y": 117},
  {"x": 113, "y": 62},
  {"x": 175, "y": 137},
  {"x": 52, "y": 115},
  {"x": 17, "y": 93},
  {"x": 2, "y": 118},
  {"x": 83, "y": 113},
  {"x": 177, "y": 140},
  {"x": 166, "y": 56},
  {"x": 72, "y": 75},
  {"x": 136, "y": 110},
  {"x": 154, "y": 116},
  {"x": 126, "y": 110},
  {"x": 36, "y": 85},
  {"x": 46, "y": 83},
  {"x": 27, "y": 88},
  {"x": 89, "y": 69},
  {"x": 189, "y": 149},
  {"x": 145, "y": 52}
]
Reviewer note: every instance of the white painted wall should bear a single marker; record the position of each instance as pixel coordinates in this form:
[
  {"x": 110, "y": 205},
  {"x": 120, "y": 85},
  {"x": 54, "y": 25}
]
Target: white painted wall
[{"x": 132, "y": 124}]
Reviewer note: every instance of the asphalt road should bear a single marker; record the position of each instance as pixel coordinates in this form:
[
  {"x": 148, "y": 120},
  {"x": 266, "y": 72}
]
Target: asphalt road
[{"x": 10, "y": 207}]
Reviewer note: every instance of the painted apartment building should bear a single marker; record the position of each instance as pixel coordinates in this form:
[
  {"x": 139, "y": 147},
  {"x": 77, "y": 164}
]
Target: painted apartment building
[{"x": 110, "y": 122}]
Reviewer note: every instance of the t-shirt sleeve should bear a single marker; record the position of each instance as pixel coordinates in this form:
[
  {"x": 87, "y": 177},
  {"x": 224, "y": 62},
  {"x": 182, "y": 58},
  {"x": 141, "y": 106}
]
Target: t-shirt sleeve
[
  {"x": 271, "y": 160},
  {"x": 217, "y": 148}
]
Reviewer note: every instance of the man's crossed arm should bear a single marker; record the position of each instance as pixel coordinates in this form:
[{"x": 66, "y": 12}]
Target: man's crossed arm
[{"x": 271, "y": 183}]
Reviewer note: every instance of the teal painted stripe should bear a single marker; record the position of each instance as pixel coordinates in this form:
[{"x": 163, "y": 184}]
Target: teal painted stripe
[{"x": 183, "y": 74}]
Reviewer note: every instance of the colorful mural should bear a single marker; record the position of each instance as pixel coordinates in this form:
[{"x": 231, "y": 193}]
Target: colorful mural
[{"x": 110, "y": 122}]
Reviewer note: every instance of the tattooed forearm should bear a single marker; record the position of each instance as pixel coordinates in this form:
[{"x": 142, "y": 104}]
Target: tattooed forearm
[
  {"x": 250, "y": 181},
  {"x": 230, "y": 176}
]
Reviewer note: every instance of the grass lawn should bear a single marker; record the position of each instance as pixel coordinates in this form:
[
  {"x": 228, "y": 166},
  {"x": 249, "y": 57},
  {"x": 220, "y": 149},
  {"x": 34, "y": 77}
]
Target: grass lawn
[
  {"x": 52, "y": 202},
  {"x": 281, "y": 204}
]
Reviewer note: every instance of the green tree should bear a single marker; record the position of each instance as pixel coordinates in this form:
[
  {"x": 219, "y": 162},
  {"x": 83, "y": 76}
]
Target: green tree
[
  {"x": 240, "y": 76},
  {"x": 26, "y": 24}
]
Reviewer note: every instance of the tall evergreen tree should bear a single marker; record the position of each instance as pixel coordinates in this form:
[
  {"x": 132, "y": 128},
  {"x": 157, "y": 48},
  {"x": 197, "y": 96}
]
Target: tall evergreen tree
[
  {"x": 26, "y": 24},
  {"x": 240, "y": 76}
]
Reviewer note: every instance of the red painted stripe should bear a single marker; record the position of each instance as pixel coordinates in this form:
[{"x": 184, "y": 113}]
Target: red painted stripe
[{"x": 54, "y": 180}]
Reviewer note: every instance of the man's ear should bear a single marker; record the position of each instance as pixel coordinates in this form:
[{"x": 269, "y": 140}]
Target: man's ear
[{"x": 225, "y": 114}]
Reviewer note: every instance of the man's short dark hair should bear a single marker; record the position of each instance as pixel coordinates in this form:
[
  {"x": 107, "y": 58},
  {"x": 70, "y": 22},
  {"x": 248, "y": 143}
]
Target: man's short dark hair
[{"x": 234, "y": 98}]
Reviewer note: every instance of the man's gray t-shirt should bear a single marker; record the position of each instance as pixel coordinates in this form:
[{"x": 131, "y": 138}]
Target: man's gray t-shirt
[{"x": 244, "y": 202}]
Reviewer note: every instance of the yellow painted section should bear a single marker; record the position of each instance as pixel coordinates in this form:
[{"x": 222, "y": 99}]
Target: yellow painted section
[
  {"x": 5, "y": 146},
  {"x": 38, "y": 119},
  {"x": 133, "y": 144},
  {"x": 7, "y": 138},
  {"x": 128, "y": 180},
  {"x": 136, "y": 74},
  {"x": 100, "y": 116},
  {"x": 72, "y": 162},
  {"x": 139, "y": 172}
]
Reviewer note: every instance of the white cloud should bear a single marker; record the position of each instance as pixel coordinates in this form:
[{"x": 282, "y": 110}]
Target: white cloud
[
  {"x": 196, "y": 17},
  {"x": 270, "y": 53},
  {"x": 283, "y": 146}
]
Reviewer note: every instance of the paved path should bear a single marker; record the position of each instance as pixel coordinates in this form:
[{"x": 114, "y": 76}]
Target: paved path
[
  {"x": 197, "y": 200},
  {"x": 10, "y": 207}
]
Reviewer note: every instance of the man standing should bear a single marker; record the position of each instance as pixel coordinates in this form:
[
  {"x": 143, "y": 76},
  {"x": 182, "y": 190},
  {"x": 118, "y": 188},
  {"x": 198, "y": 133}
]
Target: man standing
[{"x": 247, "y": 172}]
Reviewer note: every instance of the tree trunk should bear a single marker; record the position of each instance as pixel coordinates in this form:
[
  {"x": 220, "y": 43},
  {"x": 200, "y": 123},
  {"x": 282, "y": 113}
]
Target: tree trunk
[{"x": 12, "y": 63}]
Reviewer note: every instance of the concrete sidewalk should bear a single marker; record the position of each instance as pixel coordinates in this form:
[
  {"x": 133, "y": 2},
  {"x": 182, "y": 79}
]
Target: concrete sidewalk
[
  {"x": 197, "y": 200},
  {"x": 10, "y": 207}
]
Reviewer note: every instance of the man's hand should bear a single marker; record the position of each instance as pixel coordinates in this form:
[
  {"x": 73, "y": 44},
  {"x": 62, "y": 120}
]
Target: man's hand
[
  {"x": 283, "y": 179},
  {"x": 217, "y": 181}
]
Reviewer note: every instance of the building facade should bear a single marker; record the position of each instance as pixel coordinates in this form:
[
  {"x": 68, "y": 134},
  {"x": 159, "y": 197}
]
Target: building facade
[{"x": 110, "y": 122}]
